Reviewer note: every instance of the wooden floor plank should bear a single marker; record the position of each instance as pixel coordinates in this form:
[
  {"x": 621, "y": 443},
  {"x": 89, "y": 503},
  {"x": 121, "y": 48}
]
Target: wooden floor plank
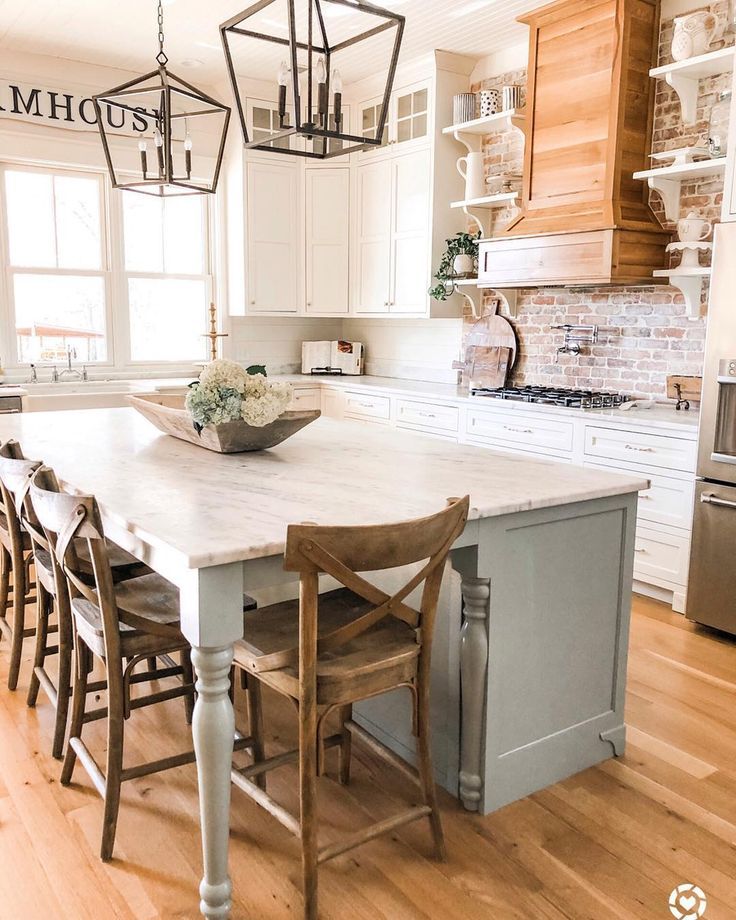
[{"x": 607, "y": 844}]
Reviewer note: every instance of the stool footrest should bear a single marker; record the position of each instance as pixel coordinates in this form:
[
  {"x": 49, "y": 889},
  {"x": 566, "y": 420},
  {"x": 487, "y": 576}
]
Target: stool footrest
[
  {"x": 265, "y": 801},
  {"x": 373, "y": 831}
]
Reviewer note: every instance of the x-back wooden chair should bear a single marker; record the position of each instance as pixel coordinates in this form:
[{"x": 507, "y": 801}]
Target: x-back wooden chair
[
  {"x": 16, "y": 556},
  {"x": 328, "y": 652},
  {"x": 51, "y": 588},
  {"x": 121, "y": 624}
]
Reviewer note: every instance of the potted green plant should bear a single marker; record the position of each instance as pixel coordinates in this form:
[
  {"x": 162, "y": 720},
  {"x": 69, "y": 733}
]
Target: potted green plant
[{"x": 459, "y": 261}]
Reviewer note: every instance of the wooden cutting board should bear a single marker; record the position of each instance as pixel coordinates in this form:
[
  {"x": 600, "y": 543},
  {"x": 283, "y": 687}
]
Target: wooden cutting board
[
  {"x": 490, "y": 350},
  {"x": 692, "y": 387}
]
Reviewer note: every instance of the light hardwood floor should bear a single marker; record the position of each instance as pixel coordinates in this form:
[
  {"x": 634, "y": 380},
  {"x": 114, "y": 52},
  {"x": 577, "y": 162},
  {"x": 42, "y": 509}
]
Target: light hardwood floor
[{"x": 608, "y": 844}]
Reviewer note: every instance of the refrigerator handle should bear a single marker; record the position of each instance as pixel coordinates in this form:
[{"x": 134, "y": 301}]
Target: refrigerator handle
[{"x": 714, "y": 500}]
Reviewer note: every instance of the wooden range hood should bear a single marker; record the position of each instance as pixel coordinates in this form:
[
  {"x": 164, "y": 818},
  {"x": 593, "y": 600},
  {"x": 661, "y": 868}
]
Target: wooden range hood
[{"x": 584, "y": 219}]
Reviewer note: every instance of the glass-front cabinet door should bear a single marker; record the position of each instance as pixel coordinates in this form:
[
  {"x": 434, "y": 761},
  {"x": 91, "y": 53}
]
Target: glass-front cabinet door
[
  {"x": 370, "y": 114},
  {"x": 412, "y": 115}
]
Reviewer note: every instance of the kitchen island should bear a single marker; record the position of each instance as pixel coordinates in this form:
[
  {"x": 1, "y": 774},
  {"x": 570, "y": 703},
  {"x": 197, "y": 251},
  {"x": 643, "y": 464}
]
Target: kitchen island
[{"x": 529, "y": 676}]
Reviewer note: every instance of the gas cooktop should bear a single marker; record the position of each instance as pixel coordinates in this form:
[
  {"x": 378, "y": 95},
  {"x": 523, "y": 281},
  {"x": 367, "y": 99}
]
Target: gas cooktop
[{"x": 555, "y": 396}]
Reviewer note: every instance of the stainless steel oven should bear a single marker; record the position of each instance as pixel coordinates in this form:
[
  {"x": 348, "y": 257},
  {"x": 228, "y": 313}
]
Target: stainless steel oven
[{"x": 711, "y": 593}]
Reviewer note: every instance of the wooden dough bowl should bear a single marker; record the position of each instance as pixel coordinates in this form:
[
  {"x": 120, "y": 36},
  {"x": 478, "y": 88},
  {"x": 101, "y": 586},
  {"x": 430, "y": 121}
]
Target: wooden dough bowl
[{"x": 168, "y": 413}]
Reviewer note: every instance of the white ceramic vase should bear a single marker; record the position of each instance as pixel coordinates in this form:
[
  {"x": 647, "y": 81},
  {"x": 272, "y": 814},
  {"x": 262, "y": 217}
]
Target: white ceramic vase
[{"x": 695, "y": 33}]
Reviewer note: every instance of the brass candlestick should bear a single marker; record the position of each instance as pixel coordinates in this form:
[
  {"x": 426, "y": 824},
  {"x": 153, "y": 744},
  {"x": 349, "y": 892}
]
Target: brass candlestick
[{"x": 213, "y": 335}]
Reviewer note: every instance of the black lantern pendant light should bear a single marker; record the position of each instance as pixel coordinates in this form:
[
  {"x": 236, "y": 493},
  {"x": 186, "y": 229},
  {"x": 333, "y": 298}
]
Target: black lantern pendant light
[
  {"x": 307, "y": 48},
  {"x": 161, "y": 135}
]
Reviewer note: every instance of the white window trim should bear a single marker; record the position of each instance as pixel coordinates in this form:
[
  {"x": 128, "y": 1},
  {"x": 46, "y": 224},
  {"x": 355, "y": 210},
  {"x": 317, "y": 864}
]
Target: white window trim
[{"x": 119, "y": 362}]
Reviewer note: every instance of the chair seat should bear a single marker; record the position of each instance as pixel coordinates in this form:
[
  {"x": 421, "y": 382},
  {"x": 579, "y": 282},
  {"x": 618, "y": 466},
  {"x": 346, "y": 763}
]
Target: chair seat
[
  {"x": 122, "y": 563},
  {"x": 150, "y": 597},
  {"x": 382, "y": 657}
]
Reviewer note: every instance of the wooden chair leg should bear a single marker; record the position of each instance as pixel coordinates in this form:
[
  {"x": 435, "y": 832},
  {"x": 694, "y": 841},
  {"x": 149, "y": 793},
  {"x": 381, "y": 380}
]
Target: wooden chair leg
[
  {"x": 113, "y": 773},
  {"x": 308, "y": 815},
  {"x": 346, "y": 712},
  {"x": 44, "y": 606},
  {"x": 255, "y": 721},
  {"x": 188, "y": 678},
  {"x": 426, "y": 772},
  {"x": 4, "y": 585},
  {"x": 64, "y": 678},
  {"x": 79, "y": 699},
  {"x": 20, "y": 582}
]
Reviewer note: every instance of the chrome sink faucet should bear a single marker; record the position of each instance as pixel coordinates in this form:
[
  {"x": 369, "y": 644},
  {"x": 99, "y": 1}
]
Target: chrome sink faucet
[{"x": 69, "y": 371}]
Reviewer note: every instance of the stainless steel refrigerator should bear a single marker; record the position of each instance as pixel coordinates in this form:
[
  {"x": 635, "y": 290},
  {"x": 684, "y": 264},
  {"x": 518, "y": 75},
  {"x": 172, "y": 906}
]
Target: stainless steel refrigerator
[{"x": 711, "y": 596}]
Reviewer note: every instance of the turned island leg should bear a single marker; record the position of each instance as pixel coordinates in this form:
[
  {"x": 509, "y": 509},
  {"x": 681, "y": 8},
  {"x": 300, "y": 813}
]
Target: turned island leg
[
  {"x": 473, "y": 675},
  {"x": 213, "y": 728}
]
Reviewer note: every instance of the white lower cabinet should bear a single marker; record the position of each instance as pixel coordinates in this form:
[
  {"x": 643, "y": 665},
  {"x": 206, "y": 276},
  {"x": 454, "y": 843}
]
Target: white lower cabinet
[
  {"x": 665, "y": 510},
  {"x": 306, "y": 398},
  {"x": 524, "y": 431}
]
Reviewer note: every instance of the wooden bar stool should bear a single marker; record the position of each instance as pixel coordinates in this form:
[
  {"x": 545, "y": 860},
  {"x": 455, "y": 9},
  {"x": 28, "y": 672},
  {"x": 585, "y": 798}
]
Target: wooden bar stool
[
  {"x": 328, "y": 652},
  {"x": 122, "y": 625},
  {"x": 16, "y": 555},
  {"x": 51, "y": 589}
]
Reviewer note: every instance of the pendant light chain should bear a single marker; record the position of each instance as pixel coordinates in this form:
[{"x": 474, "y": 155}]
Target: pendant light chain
[{"x": 161, "y": 56}]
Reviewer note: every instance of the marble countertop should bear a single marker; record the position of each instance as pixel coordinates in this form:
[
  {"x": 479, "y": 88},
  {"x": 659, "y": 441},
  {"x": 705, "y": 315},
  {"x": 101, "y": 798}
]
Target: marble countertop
[
  {"x": 208, "y": 508},
  {"x": 661, "y": 415}
]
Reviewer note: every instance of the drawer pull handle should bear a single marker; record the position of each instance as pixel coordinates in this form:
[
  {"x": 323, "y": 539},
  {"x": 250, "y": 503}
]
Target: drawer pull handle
[
  {"x": 719, "y": 502},
  {"x": 364, "y": 405},
  {"x": 645, "y": 498},
  {"x": 640, "y": 450},
  {"x": 518, "y": 430},
  {"x": 641, "y": 550},
  {"x": 426, "y": 415}
]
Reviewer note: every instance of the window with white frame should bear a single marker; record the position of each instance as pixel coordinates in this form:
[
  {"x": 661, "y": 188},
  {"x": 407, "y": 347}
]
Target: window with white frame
[{"x": 111, "y": 282}]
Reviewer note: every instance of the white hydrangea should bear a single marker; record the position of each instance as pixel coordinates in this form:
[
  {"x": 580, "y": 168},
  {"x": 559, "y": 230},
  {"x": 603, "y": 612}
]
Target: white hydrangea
[
  {"x": 264, "y": 401},
  {"x": 224, "y": 374}
]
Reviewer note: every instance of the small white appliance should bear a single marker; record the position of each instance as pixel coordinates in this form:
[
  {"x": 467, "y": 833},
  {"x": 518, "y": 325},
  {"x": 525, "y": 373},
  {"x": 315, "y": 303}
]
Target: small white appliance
[{"x": 332, "y": 358}]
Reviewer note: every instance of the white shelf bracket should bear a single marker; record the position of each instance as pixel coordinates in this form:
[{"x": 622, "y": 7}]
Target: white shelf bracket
[
  {"x": 687, "y": 91},
  {"x": 468, "y": 212},
  {"x": 472, "y": 142},
  {"x": 691, "y": 289},
  {"x": 669, "y": 191}
]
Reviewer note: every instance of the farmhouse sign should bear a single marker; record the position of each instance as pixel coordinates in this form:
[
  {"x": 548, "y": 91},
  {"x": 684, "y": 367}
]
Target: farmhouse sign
[{"x": 66, "y": 108}]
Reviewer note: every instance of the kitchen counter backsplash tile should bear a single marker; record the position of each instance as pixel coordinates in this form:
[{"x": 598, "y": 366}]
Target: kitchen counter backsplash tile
[{"x": 644, "y": 332}]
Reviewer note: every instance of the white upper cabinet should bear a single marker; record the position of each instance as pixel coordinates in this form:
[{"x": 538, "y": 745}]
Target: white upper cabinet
[
  {"x": 373, "y": 238},
  {"x": 327, "y": 211},
  {"x": 273, "y": 238},
  {"x": 410, "y": 254},
  {"x": 407, "y": 122}
]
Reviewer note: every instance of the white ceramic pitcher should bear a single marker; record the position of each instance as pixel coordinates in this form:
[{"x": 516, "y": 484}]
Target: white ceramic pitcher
[
  {"x": 471, "y": 169},
  {"x": 695, "y": 33}
]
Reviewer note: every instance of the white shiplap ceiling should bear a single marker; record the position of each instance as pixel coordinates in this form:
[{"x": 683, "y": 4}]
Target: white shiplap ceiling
[{"x": 122, "y": 33}]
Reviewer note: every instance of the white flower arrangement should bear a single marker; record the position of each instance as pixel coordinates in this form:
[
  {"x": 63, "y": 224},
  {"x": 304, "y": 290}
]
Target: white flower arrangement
[{"x": 226, "y": 392}]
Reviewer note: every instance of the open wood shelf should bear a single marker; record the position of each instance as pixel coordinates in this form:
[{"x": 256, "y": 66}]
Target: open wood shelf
[
  {"x": 683, "y": 77},
  {"x": 667, "y": 180}
]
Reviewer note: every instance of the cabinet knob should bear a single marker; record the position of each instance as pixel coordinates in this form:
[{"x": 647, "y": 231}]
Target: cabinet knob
[{"x": 253, "y": 303}]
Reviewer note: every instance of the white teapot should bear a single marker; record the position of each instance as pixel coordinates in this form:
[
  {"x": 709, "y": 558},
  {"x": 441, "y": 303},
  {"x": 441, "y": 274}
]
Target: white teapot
[{"x": 695, "y": 33}]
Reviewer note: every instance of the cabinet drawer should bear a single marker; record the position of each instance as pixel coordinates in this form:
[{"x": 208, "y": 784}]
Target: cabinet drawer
[
  {"x": 668, "y": 501},
  {"x": 513, "y": 429},
  {"x": 661, "y": 556},
  {"x": 361, "y": 405},
  {"x": 639, "y": 447},
  {"x": 425, "y": 415},
  {"x": 306, "y": 398}
]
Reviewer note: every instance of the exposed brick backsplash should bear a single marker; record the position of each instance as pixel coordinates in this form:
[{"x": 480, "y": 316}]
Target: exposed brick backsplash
[{"x": 644, "y": 331}]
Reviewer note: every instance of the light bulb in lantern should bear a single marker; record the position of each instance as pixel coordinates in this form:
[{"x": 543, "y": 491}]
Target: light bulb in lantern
[
  {"x": 283, "y": 79},
  {"x": 337, "y": 88},
  {"x": 143, "y": 150},
  {"x": 188, "y": 150},
  {"x": 321, "y": 74},
  {"x": 158, "y": 140}
]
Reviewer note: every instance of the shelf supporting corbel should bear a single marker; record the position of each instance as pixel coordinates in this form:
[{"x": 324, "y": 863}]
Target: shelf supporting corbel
[
  {"x": 687, "y": 92},
  {"x": 669, "y": 192},
  {"x": 690, "y": 286}
]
